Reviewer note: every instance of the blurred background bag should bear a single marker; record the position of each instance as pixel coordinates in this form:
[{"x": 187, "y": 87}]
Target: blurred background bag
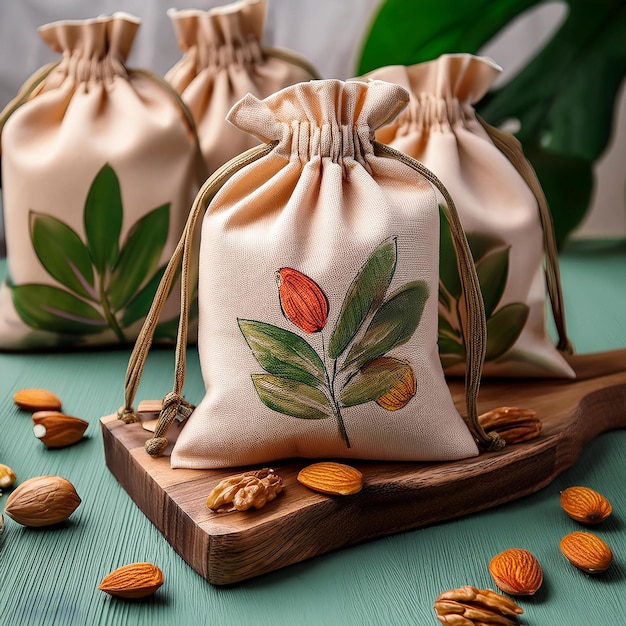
[
  {"x": 223, "y": 60},
  {"x": 503, "y": 211},
  {"x": 100, "y": 164}
]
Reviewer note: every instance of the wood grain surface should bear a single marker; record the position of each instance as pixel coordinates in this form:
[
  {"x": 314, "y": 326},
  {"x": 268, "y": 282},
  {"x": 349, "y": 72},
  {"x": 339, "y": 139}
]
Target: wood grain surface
[{"x": 300, "y": 524}]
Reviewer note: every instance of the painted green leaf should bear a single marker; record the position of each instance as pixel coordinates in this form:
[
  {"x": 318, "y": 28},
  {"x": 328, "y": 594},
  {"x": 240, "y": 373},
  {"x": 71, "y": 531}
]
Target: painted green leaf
[
  {"x": 493, "y": 270},
  {"x": 448, "y": 271},
  {"x": 139, "y": 256},
  {"x": 481, "y": 243},
  {"x": 372, "y": 381},
  {"x": 283, "y": 353},
  {"x": 103, "y": 216},
  {"x": 49, "y": 308},
  {"x": 503, "y": 329},
  {"x": 62, "y": 253},
  {"x": 291, "y": 397},
  {"x": 366, "y": 292},
  {"x": 393, "y": 324},
  {"x": 139, "y": 306}
]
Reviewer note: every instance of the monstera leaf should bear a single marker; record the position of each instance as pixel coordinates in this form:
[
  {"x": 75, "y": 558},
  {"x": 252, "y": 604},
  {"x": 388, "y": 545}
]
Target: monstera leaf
[{"x": 563, "y": 98}]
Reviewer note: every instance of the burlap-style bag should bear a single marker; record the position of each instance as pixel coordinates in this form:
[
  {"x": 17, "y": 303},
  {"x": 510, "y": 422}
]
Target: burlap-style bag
[
  {"x": 501, "y": 206},
  {"x": 99, "y": 166},
  {"x": 318, "y": 295},
  {"x": 223, "y": 60}
]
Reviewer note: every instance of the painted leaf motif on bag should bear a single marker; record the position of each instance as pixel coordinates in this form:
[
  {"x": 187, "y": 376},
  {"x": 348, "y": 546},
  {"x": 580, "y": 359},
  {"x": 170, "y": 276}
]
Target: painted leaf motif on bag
[
  {"x": 100, "y": 284},
  {"x": 305, "y": 383}
]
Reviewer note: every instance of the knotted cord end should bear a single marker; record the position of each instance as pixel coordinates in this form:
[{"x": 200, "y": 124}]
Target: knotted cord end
[
  {"x": 128, "y": 415},
  {"x": 156, "y": 446}
]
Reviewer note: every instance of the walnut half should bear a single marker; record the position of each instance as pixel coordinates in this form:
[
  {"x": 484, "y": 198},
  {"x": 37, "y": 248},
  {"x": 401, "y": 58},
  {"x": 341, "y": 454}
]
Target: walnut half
[
  {"x": 513, "y": 424},
  {"x": 469, "y": 606},
  {"x": 245, "y": 491}
]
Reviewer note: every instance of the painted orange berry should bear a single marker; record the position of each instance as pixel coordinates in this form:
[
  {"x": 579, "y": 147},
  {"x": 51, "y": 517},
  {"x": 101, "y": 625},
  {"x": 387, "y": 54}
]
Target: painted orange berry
[
  {"x": 400, "y": 394},
  {"x": 302, "y": 300}
]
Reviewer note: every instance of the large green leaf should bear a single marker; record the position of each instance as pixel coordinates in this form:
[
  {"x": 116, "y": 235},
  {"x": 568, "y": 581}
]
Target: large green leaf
[
  {"x": 564, "y": 99},
  {"x": 103, "y": 216},
  {"x": 49, "y": 308},
  {"x": 393, "y": 325},
  {"x": 366, "y": 292},
  {"x": 372, "y": 381},
  {"x": 291, "y": 397},
  {"x": 503, "y": 329},
  {"x": 283, "y": 353},
  {"x": 139, "y": 256},
  {"x": 407, "y": 32},
  {"x": 482, "y": 243},
  {"x": 493, "y": 270},
  {"x": 62, "y": 253},
  {"x": 139, "y": 306}
]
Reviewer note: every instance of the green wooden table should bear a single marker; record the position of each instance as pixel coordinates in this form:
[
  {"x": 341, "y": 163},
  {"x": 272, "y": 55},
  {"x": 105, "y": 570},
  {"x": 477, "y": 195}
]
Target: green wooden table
[{"x": 51, "y": 576}]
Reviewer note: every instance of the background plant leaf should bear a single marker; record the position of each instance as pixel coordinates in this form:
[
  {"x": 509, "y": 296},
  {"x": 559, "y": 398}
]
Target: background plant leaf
[
  {"x": 45, "y": 307},
  {"x": 291, "y": 397},
  {"x": 103, "y": 214},
  {"x": 139, "y": 256},
  {"x": 448, "y": 271},
  {"x": 366, "y": 292},
  {"x": 393, "y": 324},
  {"x": 372, "y": 381},
  {"x": 140, "y": 304},
  {"x": 503, "y": 329},
  {"x": 283, "y": 353},
  {"x": 63, "y": 254},
  {"x": 493, "y": 270},
  {"x": 564, "y": 99}
]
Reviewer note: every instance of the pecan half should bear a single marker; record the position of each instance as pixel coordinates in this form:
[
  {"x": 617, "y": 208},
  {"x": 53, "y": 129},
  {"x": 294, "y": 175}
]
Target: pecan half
[
  {"x": 245, "y": 491},
  {"x": 469, "y": 606},
  {"x": 513, "y": 424}
]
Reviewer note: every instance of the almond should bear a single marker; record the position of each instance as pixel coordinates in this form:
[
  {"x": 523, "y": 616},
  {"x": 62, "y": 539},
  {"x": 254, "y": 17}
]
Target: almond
[
  {"x": 57, "y": 430},
  {"x": 42, "y": 501},
  {"x": 37, "y": 400},
  {"x": 331, "y": 478},
  {"x": 7, "y": 476},
  {"x": 587, "y": 552},
  {"x": 585, "y": 505},
  {"x": 136, "y": 580},
  {"x": 516, "y": 571}
]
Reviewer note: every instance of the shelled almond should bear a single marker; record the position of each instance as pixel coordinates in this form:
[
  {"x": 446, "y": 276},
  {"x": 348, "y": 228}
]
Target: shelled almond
[
  {"x": 587, "y": 552},
  {"x": 585, "y": 505},
  {"x": 7, "y": 476},
  {"x": 37, "y": 400},
  {"x": 331, "y": 478},
  {"x": 57, "y": 430},
  {"x": 132, "y": 581},
  {"x": 516, "y": 571}
]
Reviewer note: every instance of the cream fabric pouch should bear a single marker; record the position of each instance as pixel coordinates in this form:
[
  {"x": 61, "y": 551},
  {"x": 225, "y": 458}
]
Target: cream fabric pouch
[
  {"x": 223, "y": 60},
  {"x": 503, "y": 211},
  {"x": 319, "y": 260},
  {"x": 99, "y": 166}
]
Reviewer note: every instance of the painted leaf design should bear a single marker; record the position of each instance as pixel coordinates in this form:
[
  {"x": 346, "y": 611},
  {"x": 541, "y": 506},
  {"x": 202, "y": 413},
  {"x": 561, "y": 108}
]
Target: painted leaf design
[
  {"x": 366, "y": 292},
  {"x": 49, "y": 308},
  {"x": 503, "y": 329},
  {"x": 140, "y": 304},
  {"x": 283, "y": 353},
  {"x": 103, "y": 216},
  {"x": 63, "y": 254},
  {"x": 139, "y": 256},
  {"x": 373, "y": 380},
  {"x": 493, "y": 270},
  {"x": 392, "y": 325},
  {"x": 291, "y": 397},
  {"x": 448, "y": 271}
]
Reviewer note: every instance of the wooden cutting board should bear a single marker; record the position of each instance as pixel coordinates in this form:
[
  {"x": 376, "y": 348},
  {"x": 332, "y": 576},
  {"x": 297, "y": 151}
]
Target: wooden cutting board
[{"x": 300, "y": 524}]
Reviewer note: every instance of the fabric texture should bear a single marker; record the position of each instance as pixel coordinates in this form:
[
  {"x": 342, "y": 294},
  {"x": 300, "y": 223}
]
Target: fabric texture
[
  {"x": 99, "y": 166},
  {"x": 498, "y": 210},
  {"x": 318, "y": 294},
  {"x": 223, "y": 60}
]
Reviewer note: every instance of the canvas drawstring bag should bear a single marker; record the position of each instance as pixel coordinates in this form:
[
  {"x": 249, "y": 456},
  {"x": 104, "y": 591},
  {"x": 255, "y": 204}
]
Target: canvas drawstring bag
[
  {"x": 100, "y": 164},
  {"x": 503, "y": 211},
  {"x": 318, "y": 281},
  {"x": 223, "y": 60}
]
